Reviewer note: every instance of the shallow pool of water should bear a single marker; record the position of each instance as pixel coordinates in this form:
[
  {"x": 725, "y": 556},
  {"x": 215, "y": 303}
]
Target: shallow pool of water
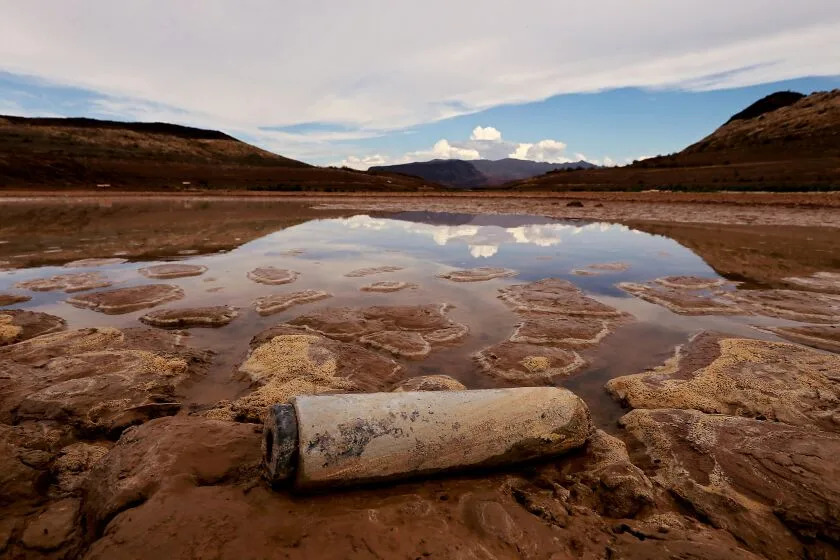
[{"x": 423, "y": 245}]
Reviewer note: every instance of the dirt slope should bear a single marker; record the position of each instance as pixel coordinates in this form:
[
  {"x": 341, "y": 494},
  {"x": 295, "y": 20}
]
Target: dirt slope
[
  {"x": 59, "y": 153},
  {"x": 794, "y": 146}
]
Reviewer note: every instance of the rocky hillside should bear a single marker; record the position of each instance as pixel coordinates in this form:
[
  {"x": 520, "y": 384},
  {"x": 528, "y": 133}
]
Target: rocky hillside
[
  {"x": 49, "y": 153},
  {"x": 479, "y": 173},
  {"x": 785, "y": 141}
]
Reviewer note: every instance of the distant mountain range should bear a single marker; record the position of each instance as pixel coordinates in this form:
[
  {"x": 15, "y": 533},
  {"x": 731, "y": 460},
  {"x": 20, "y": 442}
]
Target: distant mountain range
[{"x": 478, "y": 173}]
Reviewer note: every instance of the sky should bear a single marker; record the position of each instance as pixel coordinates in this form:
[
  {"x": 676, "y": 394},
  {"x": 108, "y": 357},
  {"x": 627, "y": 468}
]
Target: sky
[{"x": 374, "y": 82}]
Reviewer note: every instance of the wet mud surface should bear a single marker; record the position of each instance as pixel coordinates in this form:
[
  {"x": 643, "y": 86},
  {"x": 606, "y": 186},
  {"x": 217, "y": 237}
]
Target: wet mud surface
[{"x": 129, "y": 429}]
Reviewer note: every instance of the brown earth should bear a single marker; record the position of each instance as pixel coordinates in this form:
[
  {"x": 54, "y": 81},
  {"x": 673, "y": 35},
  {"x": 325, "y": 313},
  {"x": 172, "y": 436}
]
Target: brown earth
[
  {"x": 50, "y": 153},
  {"x": 796, "y": 147}
]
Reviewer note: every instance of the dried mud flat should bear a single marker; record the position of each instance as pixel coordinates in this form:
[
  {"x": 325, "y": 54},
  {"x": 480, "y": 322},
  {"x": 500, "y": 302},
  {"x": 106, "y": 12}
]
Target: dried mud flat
[{"x": 729, "y": 452}]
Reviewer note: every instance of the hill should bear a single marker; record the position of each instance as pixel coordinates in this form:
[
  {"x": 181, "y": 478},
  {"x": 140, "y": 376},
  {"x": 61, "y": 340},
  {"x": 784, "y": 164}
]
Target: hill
[
  {"x": 49, "y": 153},
  {"x": 785, "y": 141},
  {"x": 477, "y": 173}
]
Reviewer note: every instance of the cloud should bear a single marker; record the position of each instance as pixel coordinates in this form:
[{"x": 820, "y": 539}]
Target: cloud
[
  {"x": 488, "y": 134},
  {"x": 552, "y": 151},
  {"x": 257, "y": 64},
  {"x": 363, "y": 162}
]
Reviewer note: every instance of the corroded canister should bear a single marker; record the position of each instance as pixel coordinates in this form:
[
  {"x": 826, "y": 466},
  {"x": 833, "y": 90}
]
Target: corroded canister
[{"x": 337, "y": 440}]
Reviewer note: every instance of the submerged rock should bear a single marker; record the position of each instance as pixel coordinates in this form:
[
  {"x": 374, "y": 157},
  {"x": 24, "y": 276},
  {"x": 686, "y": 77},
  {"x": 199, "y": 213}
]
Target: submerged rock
[
  {"x": 11, "y": 299},
  {"x": 126, "y": 300},
  {"x": 285, "y": 362},
  {"x": 773, "y": 486},
  {"x": 66, "y": 282},
  {"x": 17, "y": 325},
  {"x": 716, "y": 373},
  {"x": 430, "y": 383},
  {"x": 480, "y": 274},
  {"x": 528, "y": 363},
  {"x": 560, "y": 330},
  {"x": 790, "y": 304},
  {"x": 690, "y": 282},
  {"x": 268, "y": 305},
  {"x": 215, "y": 316},
  {"x": 361, "y": 272},
  {"x": 598, "y": 268},
  {"x": 554, "y": 295},
  {"x": 172, "y": 270},
  {"x": 682, "y": 300},
  {"x": 404, "y": 330},
  {"x": 824, "y": 337},
  {"x": 387, "y": 286},
  {"x": 90, "y": 263},
  {"x": 273, "y": 276}
]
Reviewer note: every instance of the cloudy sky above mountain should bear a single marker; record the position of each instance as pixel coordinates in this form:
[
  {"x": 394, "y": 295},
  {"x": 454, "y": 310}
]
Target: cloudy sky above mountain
[{"x": 371, "y": 82}]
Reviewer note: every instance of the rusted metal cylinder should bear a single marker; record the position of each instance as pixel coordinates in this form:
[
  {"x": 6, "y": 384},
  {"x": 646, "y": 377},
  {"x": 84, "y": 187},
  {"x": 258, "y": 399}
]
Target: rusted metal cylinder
[{"x": 338, "y": 440}]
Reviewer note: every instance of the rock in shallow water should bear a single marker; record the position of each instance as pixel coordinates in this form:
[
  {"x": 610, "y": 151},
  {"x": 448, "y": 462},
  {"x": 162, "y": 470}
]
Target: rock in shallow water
[
  {"x": 215, "y": 316},
  {"x": 273, "y": 276},
  {"x": 11, "y": 299},
  {"x": 430, "y": 383},
  {"x": 403, "y": 330},
  {"x": 66, "y": 282},
  {"x": 528, "y": 363},
  {"x": 172, "y": 270},
  {"x": 682, "y": 300},
  {"x": 824, "y": 337},
  {"x": 480, "y": 274},
  {"x": 126, "y": 300},
  {"x": 268, "y": 305},
  {"x": 361, "y": 272}
]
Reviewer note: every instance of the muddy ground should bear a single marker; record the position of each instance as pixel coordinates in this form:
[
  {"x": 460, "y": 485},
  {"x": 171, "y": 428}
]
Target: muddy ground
[{"x": 727, "y": 449}]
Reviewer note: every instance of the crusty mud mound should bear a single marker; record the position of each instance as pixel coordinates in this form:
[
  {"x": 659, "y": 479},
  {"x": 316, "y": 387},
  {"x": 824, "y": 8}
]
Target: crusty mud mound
[
  {"x": 690, "y": 282},
  {"x": 387, "y": 286},
  {"x": 273, "y": 276},
  {"x": 361, "y": 272},
  {"x": 819, "y": 281},
  {"x": 268, "y": 305},
  {"x": 126, "y": 300},
  {"x": 554, "y": 295},
  {"x": 90, "y": 263},
  {"x": 403, "y": 330},
  {"x": 715, "y": 373},
  {"x": 285, "y": 362},
  {"x": 66, "y": 282},
  {"x": 599, "y": 268},
  {"x": 187, "y": 317},
  {"x": 173, "y": 270},
  {"x": 96, "y": 381},
  {"x": 528, "y": 363},
  {"x": 775, "y": 487},
  {"x": 17, "y": 325},
  {"x": 556, "y": 318},
  {"x": 795, "y": 305},
  {"x": 824, "y": 337},
  {"x": 11, "y": 299},
  {"x": 554, "y": 330},
  {"x": 480, "y": 274},
  {"x": 430, "y": 383},
  {"x": 674, "y": 295}
]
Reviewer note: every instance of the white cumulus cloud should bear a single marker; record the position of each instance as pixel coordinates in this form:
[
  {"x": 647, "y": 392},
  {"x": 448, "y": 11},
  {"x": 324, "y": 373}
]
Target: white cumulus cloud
[
  {"x": 551, "y": 151},
  {"x": 486, "y": 133}
]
